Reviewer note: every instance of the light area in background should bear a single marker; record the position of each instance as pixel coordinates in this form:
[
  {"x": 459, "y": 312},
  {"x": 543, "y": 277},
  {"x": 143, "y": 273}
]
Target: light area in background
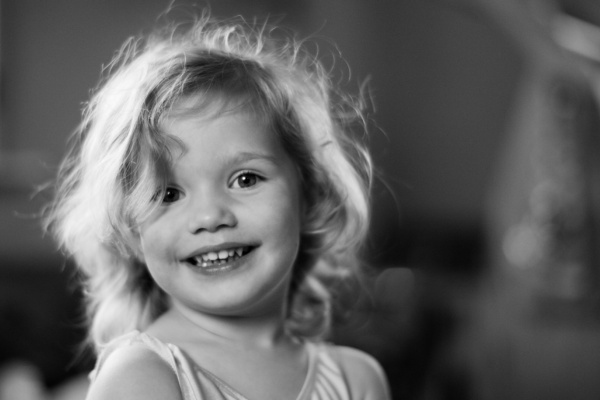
[{"x": 440, "y": 82}]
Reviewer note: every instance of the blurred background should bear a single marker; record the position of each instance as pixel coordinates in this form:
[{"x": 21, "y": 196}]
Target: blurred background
[{"x": 485, "y": 241}]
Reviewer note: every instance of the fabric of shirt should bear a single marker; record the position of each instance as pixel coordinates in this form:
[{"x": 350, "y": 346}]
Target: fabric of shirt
[{"x": 324, "y": 379}]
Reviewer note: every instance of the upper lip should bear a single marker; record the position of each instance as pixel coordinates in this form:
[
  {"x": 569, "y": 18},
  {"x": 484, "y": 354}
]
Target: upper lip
[{"x": 219, "y": 247}]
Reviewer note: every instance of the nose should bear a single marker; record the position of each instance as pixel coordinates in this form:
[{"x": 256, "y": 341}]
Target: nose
[{"x": 211, "y": 214}]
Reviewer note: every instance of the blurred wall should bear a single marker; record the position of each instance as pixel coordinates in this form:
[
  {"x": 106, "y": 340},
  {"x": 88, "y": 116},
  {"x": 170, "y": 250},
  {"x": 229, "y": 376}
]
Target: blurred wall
[{"x": 441, "y": 81}]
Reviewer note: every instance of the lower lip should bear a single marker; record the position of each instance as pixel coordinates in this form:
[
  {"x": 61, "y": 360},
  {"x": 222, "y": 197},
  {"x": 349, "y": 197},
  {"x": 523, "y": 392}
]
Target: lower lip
[{"x": 223, "y": 268}]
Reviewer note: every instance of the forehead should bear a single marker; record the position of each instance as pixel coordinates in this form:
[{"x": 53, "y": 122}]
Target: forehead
[
  {"x": 209, "y": 109},
  {"x": 212, "y": 104},
  {"x": 226, "y": 135}
]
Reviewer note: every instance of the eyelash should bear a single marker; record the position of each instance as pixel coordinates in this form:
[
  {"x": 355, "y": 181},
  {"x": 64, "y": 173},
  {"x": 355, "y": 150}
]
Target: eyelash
[
  {"x": 171, "y": 191},
  {"x": 251, "y": 174}
]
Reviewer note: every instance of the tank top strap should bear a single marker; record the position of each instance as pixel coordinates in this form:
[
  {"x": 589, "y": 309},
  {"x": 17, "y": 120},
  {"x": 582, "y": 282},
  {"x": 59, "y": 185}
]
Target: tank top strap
[
  {"x": 327, "y": 381},
  {"x": 163, "y": 350},
  {"x": 325, "y": 378}
]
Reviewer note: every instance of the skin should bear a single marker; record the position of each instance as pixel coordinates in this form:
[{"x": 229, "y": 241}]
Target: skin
[{"x": 231, "y": 186}]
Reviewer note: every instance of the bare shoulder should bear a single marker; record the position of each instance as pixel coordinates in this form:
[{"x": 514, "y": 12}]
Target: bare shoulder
[
  {"x": 365, "y": 376},
  {"x": 134, "y": 372}
]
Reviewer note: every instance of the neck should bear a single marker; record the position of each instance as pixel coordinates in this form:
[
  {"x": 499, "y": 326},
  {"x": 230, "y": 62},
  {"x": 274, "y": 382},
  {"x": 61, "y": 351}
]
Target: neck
[{"x": 264, "y": 330}]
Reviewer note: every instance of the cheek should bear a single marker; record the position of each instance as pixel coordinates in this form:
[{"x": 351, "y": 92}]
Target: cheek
[
  {"x": 152, "y": 242},
  {"x": 155, "y": 256},
  {"x": 291, "y": 220}
]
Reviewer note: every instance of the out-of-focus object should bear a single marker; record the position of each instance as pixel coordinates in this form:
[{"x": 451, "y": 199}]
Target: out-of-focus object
[
  {"x": 21, "y": 381},
  {"x": 576, "y": 27},
  {"x": 545, "y": 203},
  {"x": 536, "y": 333}
]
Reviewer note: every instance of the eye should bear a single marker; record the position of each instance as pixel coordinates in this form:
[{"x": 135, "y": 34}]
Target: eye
[
  {"x": 245, "y": 180},
  {"x": 171, "y": 195}
]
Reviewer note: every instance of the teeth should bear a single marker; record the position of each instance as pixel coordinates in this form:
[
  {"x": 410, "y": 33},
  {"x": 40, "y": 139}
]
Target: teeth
[{"x": 217, "y": 258}]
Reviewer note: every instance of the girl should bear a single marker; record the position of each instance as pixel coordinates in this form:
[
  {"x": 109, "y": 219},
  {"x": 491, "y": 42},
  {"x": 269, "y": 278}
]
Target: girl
[{"x": 210, "y": 197}]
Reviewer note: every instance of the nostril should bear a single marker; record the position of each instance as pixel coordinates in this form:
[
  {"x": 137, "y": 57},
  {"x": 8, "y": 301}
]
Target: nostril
[{"x": 212, "y": 219}]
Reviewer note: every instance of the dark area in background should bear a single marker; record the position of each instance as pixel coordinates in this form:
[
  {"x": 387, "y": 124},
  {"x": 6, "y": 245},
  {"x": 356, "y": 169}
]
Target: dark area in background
[
  {"x": 456, "y": 107},
  {"x": 42, "y": 322},
  {"x": 429, "y": 67}
]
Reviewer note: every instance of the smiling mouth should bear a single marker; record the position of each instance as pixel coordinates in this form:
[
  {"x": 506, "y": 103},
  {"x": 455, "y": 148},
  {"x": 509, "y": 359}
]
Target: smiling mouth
[{"x": 218, "y": 258}]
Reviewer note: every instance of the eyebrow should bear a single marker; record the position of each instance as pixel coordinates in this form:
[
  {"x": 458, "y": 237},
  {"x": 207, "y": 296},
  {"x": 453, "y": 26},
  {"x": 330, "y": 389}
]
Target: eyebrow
[{"x": 249, "y": 156}]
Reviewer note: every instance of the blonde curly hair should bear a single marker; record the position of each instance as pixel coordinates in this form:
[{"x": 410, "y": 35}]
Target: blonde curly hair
[{"x": 119, "y": 157}]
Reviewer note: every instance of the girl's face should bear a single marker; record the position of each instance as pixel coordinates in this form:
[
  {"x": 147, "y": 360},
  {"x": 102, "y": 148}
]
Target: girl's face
[{"x": 225, "y": 238}]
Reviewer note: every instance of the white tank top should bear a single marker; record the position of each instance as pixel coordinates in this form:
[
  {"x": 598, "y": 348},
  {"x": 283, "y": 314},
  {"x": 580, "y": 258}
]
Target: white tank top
[{"x": 324, "y": 380}]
